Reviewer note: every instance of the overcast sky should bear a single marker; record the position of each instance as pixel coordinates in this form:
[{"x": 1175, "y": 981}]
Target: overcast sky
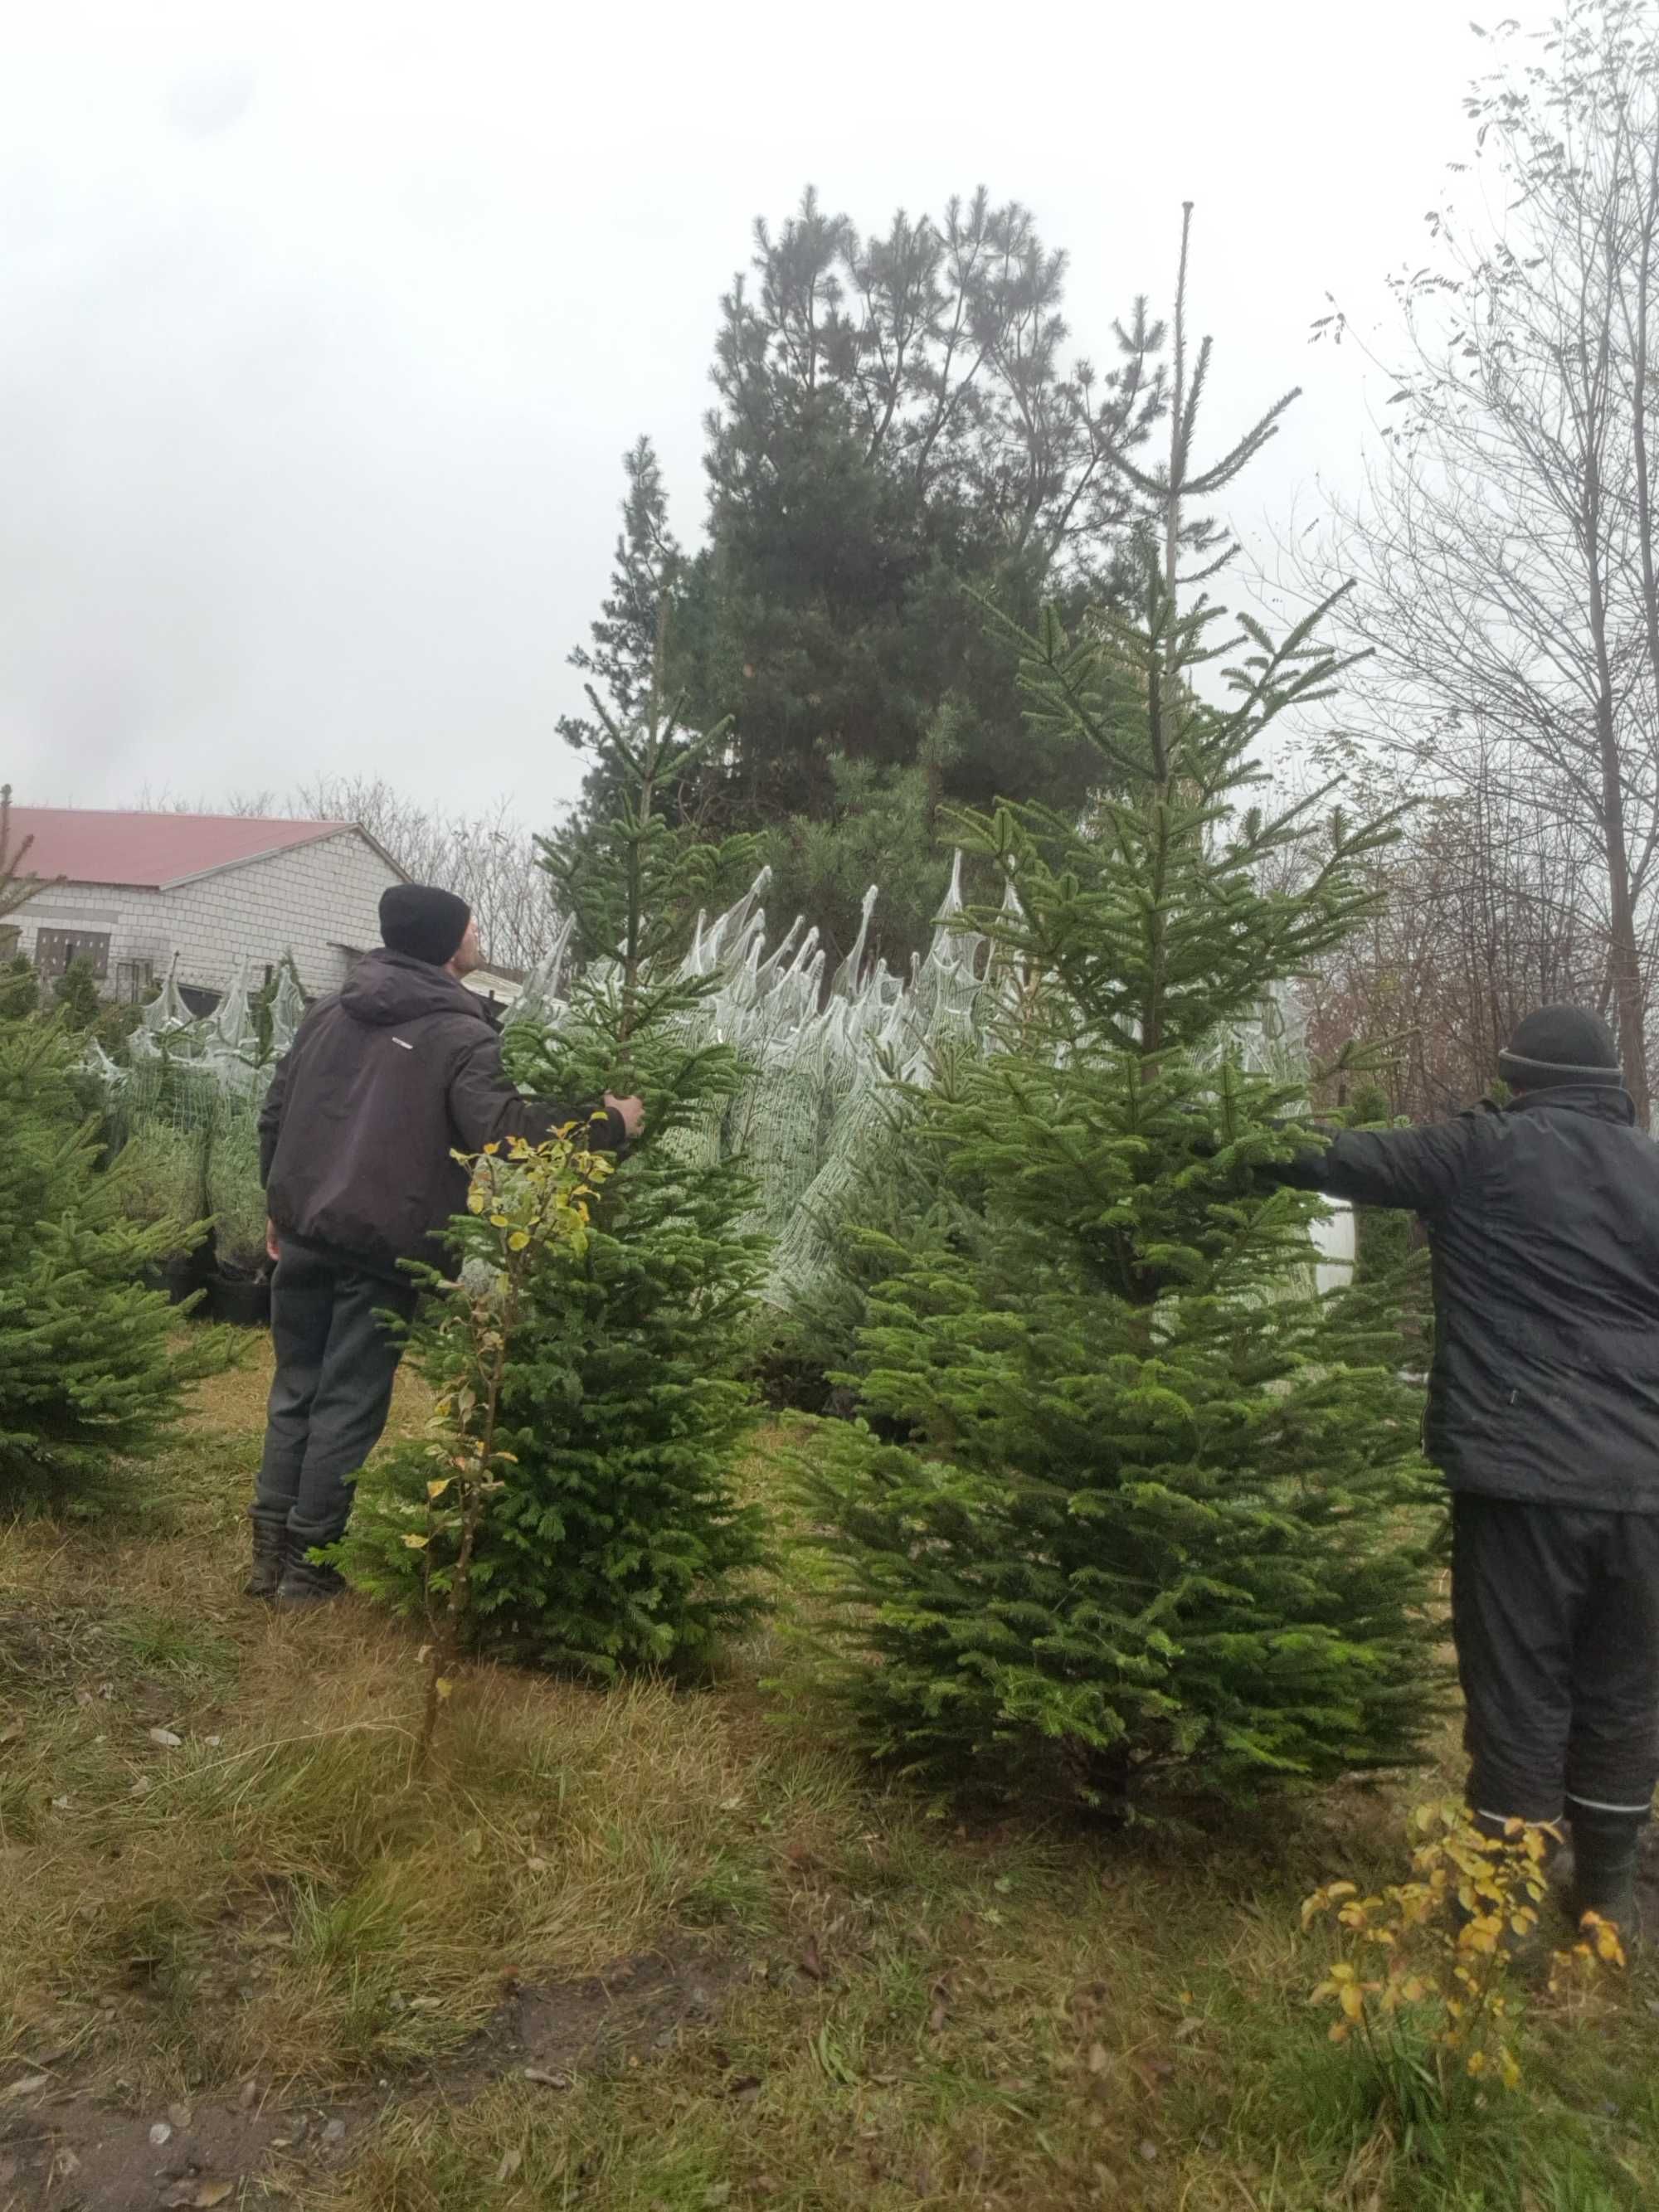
[{"x": 324, "y": 327}]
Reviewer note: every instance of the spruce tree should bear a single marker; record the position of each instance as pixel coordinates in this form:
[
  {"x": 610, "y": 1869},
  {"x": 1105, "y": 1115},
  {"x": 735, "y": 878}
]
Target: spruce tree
[
  {"x": 1150, "y": 1517},
  {"x": 616, "y": 1539}
]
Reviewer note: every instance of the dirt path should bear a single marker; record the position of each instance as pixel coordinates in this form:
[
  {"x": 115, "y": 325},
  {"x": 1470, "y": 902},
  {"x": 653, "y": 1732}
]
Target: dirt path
[{"x": 62, "y": 2150}]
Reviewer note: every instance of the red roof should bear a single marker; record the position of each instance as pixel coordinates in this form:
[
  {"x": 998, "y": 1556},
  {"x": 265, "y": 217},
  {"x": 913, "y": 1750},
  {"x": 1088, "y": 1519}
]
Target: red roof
[{"x": 151, "y": 851}]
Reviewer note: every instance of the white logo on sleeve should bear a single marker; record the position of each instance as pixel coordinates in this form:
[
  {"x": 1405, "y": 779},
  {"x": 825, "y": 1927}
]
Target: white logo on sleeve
[{"x": 404, "y": 1042}]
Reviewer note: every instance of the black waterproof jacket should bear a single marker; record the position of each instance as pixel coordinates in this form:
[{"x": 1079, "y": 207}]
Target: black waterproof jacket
[
  {"x": 386, "y": 1079},
  {"x": 1544, "y": 1224}
]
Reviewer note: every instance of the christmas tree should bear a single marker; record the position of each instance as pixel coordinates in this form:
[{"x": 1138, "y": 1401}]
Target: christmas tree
[
  {"x": 615, "y": 1539},
  {"x": 86, "y": 1377},
  {"x": 75, "y": 1000},
  {"x": 1148, "y": 1520}
]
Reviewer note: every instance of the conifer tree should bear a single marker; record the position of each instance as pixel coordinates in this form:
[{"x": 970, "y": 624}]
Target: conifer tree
[
  {"x": 76, "y": 998},
  {"x": 1149, "y": 1520},
  {"x": 615, "y": 1539},
  {"x": 86, "y": 1377}
]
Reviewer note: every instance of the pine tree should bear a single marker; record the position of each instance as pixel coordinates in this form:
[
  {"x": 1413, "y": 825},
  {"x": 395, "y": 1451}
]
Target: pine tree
[
  {"x": 616, "y": 1539},
  {"x": 1150, "y": 1518}
]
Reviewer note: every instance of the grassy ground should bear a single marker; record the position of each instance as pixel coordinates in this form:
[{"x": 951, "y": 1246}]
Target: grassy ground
[{"x": 901, "y": 2010}]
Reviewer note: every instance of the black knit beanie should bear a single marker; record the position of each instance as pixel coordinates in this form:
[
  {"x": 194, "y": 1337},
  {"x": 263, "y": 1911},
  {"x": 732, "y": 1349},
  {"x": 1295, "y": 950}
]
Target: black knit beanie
[
  {"x": 1560, "y": 1045},
  {"x": 424, "y": 922}
]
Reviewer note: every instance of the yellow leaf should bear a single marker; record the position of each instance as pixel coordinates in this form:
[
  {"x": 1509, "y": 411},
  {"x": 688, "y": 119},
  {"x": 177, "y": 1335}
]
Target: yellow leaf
[
  {"x": 1339, "y": 2031},
  {"x": 1353, "y": 2000},
  {"x": 519, "y": 1240},
  {"x": 437, "y": 1489},
  {"x": 1509, "y": 2068},
  {"x": 416, "y": 1543},
  {"x": 1477, "y": 2061},
  {"x": 444, "y": 1687},
  {"x": 1608, "y": 1945}
]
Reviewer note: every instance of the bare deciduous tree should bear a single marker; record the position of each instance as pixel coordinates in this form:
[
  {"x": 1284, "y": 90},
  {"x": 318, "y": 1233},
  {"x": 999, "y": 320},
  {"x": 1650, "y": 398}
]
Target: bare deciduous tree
[
  {"x": 1504, "y": 551},
  {"x": 488, "y": 859}
]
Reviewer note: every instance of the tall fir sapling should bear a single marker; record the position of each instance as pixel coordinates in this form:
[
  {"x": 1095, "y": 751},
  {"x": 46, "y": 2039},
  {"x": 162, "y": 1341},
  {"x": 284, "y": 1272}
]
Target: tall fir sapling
[
  {"x": 616, "y": 1538},
  {"x": 1154, "y": 1517}
]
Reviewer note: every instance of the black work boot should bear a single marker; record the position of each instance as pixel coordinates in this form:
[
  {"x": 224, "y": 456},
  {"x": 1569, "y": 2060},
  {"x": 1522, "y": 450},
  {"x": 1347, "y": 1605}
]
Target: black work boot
[
  {"x": 305, "y": 1583},
  {"x": 270, "y": 1558},
  {"x": 1605, "y": 1847}
]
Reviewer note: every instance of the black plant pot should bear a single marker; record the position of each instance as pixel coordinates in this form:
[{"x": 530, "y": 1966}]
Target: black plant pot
[
  {"x": 180, "y": 1277},
  {"x": 244, "y": 1301}
]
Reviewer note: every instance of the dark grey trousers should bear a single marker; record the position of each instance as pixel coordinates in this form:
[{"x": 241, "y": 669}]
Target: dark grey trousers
[
  {"x": 336, "y": 1362},
  {"x": 1555, "y": 1611}
]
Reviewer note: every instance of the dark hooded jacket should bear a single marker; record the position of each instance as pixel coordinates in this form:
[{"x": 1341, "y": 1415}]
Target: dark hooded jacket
[
  {"x": 387, "y": 1081},
  {"x": 1543, "y": 1222}
]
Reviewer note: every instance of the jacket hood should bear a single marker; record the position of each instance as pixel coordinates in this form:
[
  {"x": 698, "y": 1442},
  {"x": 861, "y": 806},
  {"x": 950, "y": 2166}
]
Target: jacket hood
[
  {"x": 387, "y": 987},
  {"x": 1607, "y": 1103}
]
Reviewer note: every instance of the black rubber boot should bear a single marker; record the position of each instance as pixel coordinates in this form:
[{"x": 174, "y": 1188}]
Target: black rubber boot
[
  {"x": 304, "y": 1584},
  {"x": 269, "y": 1560},
  {"x": 1605, "y": 1849}
]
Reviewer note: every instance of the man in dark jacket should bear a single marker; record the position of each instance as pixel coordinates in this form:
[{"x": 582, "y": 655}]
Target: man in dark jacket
[
  {"x": 1543, "y": 1414},
  {"x": 386, "y": 1082}
]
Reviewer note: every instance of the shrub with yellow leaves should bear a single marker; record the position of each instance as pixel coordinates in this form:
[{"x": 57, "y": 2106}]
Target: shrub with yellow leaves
[{"x": 1424, "y": 1982}]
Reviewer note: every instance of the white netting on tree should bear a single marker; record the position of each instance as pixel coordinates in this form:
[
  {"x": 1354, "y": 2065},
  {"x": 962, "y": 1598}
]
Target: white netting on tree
[
  {"x": 825, "y": 1091},
  {"x": 827, "y": 1072},
  {"x": 187, "y": 1110}
]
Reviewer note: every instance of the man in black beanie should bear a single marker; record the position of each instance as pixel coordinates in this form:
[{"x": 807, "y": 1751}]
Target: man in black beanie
[
  {"x": 1543, "y": 1414},
  {"x": 386, "y": 1082}
]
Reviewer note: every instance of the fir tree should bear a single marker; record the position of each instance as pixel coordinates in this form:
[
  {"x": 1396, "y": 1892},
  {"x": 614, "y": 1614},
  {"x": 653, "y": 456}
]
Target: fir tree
[
  {"x": 87, "y": 1376},
  {"x": 18, "y": 884},
  {"x": 76, "y": 999},
  {"x": 615, "y": 1539},
  {"x": 1147, "y": 1520},
  {"x": 20, "y": 988}
]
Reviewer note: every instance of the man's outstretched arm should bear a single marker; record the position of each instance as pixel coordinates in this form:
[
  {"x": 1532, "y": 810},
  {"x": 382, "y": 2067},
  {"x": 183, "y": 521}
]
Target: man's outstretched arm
[{"x": 1420, "y": 1170}]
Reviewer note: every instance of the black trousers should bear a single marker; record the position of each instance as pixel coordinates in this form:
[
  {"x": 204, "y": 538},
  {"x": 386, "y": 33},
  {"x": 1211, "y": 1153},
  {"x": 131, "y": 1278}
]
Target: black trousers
[
  {"x": 1555, "y": 1610},
  {"x": 336, "y": 1363}
]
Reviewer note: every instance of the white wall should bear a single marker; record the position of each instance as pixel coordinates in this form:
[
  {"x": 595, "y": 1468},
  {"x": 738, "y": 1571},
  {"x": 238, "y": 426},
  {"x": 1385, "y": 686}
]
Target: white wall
[
  {"x": 309, "y": 901},
  {"x": 130, "y": 919}
]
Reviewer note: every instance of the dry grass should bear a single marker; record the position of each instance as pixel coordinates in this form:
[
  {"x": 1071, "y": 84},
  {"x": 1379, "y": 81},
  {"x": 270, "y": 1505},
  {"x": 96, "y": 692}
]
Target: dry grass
[{"x": 915, "y": 2012}]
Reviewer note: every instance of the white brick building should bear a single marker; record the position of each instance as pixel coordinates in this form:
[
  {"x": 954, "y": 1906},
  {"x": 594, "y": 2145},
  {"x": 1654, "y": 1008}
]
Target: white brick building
[{"x": 138, "y": 888}]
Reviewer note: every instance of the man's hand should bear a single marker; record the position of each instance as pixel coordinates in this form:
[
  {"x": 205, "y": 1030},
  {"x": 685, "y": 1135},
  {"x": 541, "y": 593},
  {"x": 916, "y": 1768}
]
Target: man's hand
[
  {"x": 272, "y": 1251},
  {"x": 632, "y": 1112}
]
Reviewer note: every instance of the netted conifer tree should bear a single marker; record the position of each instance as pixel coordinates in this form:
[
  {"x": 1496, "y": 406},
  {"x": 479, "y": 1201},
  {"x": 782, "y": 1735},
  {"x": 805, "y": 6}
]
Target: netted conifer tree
[
  {"x": 617, "y": 1539},
  {"x": 1155, "y": 1517}
]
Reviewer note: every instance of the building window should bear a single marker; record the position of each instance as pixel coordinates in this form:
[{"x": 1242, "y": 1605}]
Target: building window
[{"x": 54, "y": 949}]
